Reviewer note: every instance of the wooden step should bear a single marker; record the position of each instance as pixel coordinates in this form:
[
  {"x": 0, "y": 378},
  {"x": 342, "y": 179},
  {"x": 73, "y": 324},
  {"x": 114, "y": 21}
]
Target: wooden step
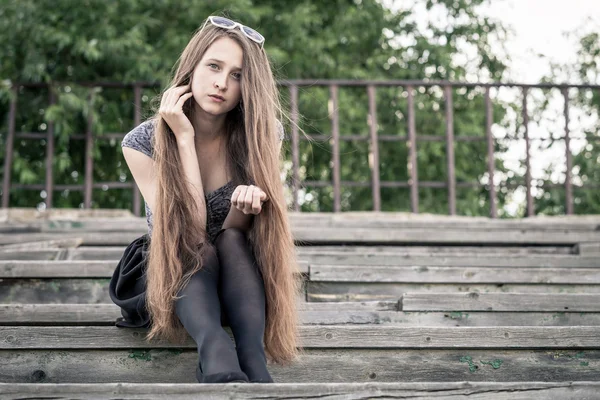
[
  {"x": 376, "y": 313},
  {"x": 321, "y": 336},
  {"x": 380, "y": 268},
  {"x": 76, "y": 219},
  {"x": 428, "y": 274},
  {"x": 384, "y": 291},
  {"x": 95, "y": 290},
  {"x": 68, "y": 269},
  {"x": 501, "y": 302},
  {"x": 316, "y": 235},
  {"x": 113, "y": 253},
  {"x": 177, "y": 365},
  {"x": 563, "y": 390}
]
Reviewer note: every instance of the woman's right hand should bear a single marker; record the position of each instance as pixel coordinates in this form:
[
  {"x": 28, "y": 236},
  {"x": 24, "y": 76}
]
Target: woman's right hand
[{"x": 171, "y": 110}]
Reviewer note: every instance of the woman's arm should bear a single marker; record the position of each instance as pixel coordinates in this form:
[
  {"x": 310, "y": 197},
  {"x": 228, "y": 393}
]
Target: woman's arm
[{"x": 236, "y": 218}]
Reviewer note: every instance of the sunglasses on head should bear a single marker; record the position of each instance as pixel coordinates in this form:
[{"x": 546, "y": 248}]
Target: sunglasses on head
[{"x": 226, "y": 23}]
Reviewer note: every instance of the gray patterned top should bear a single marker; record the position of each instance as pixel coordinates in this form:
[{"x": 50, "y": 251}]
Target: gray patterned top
[{"x": 217, "y": 201}]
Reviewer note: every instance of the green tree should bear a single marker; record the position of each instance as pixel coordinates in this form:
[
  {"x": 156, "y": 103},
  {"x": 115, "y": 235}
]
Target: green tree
[
  {"x": 586, "y": 161},
  {"x": 139, "y": 40}
]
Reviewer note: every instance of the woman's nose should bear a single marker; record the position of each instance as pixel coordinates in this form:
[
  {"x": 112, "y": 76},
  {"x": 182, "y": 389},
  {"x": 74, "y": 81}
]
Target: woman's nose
[{"x": 221, "y": 82}]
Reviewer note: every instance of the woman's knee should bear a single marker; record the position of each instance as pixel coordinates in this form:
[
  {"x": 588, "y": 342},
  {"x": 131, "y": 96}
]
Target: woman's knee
[{"x": 228, "y": 235}]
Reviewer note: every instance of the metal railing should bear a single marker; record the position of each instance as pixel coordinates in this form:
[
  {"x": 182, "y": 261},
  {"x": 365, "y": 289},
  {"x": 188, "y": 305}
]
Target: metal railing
[{"x": 373, "y": 138}]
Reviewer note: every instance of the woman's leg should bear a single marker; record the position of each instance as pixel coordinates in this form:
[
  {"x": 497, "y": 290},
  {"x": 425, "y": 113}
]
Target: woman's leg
[
  {"x": 243, "y": 298},
  {"x": 200, "y": 313}
]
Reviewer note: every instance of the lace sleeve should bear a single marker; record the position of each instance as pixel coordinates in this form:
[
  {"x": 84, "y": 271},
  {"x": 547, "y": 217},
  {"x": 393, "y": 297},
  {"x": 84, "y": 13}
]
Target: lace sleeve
[{"x": 139, "y": 138}]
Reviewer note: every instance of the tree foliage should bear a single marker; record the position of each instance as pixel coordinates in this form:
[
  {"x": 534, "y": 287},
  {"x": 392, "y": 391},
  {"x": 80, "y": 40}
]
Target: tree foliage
[{"x": 66, "y": 42}]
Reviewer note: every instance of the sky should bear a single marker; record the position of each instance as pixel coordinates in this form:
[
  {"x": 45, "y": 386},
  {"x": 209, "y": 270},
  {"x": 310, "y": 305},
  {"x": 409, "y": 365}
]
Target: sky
[{"x": 537, "y": 27}]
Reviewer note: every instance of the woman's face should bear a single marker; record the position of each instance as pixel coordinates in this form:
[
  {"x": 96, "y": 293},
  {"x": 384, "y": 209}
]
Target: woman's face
[{"x": 219, "y": 74}]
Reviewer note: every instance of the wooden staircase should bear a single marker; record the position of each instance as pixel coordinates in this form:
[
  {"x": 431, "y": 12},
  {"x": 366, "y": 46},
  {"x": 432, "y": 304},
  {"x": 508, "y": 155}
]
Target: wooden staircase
[{"x": 395, "y": 305}]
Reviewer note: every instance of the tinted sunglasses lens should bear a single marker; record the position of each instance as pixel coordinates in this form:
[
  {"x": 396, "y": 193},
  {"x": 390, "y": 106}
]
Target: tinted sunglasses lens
[
  {"x": 223, "y": 22},
  {"x": 252, "y": 34}
]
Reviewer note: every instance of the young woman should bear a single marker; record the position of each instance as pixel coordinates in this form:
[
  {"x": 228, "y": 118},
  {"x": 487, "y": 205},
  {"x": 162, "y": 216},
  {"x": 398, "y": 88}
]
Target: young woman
[{"x": 219, "y": 248}]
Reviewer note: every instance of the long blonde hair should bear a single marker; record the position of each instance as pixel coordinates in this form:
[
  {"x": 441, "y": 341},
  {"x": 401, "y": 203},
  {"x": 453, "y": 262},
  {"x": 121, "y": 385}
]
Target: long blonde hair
[{"x": 179, "y": 242}]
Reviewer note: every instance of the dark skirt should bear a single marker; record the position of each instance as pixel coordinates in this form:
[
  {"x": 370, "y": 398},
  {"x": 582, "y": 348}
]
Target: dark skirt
[{"x": 127, "y": 287}]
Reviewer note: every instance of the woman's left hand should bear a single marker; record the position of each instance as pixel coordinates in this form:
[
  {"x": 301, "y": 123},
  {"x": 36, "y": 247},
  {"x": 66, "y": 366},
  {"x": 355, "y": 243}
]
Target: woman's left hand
[{"x": 248, "y": 199}]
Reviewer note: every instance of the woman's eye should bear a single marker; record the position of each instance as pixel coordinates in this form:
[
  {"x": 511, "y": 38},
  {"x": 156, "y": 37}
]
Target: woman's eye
[{"x": 237, "y": 75}]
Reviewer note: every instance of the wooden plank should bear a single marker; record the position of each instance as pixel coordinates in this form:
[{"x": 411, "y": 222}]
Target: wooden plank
[
  {"x": 95, "y": 290},
  {"x": 57, "y": 312},
  {"x": 41, "y": 254},
  {"x": 115, "y": 252},
  {"x": 314, "y": 366},
  {"x": 69, "y": 269},
  {"x": 29, "y": 214},
  {"x": 363, "y": 219},
  {"x": 410, "y": 220},
  {"x": 345, "y": 235},
  {"x": 500, "y": 302},
  {"x": 376, "y": 262},
  {"x": 378, "y": 267},
  {"x": 43, "y": 244},
  {"x": 453, "y": 260},
  {"x": 89, "y": 238},
  {"x": 57, "y": 269},
  {"x": 589, "y": 249},
  {"x": 428, "y": 274},
  {"x": 378, "y": 313},
  {"x": 499, "y": 227},
  {"x": 137, "y": 224},
  {"x": 332, "y": 273},
  {"x": 54, "y": 291},
  {"x": 380, "y": 235},
  {"x": 59, "y": 291},
  {"x": 321, "y": 336},
  {"x": 361, "y": 291},
  {"x": 351, "y": 390}
]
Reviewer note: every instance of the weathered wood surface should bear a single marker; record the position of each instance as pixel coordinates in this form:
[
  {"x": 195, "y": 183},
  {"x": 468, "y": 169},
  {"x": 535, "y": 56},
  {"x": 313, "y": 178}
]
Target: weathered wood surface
[
  {"x": 177, "y": 365},
  {"x": 24, "y": 215},
  {"x": 69, "y": 269},
  {"x": 409, "y": 219},
  {"x": 445, "y": 274},
  {"x": 589, "y": 249},
  {"x": 377, "y": 291},
  {"x": 54, "y": 291},
  {"x": 321, "y": 336},
  {"x": 33, "y": 254},
  {"x": 380, "y": 268},
  {"x": 317, "y": 234},
  {"x": 459, "y": 236},
  {"x": 115, "y": 238},
  {"x": 368, "y": 257},
  {"x": 501, "y": 302},
  {"x": 115, "y": 252},
  {"x": 462, "y": 299},
  {"x": 84, "y": 218},
  {"x": 358, "y": 313},
  {"x": 368, "y": 260},
  {"x": 57, "y": 269},
  {"x": 60, "y": 291},
  {"x": 95, "y": 290},
  {"x": 43, "y": 244},
  {"x": 341, "y": 391},
  {"x": 434, "y": 249}
]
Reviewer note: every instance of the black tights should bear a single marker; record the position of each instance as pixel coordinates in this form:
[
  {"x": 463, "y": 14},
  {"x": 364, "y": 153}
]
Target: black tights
[{"x": 231, "y": 278}]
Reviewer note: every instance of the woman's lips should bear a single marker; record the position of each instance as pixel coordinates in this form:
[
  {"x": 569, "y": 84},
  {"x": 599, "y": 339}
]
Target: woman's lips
[{"x": 217, "y": 99}]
